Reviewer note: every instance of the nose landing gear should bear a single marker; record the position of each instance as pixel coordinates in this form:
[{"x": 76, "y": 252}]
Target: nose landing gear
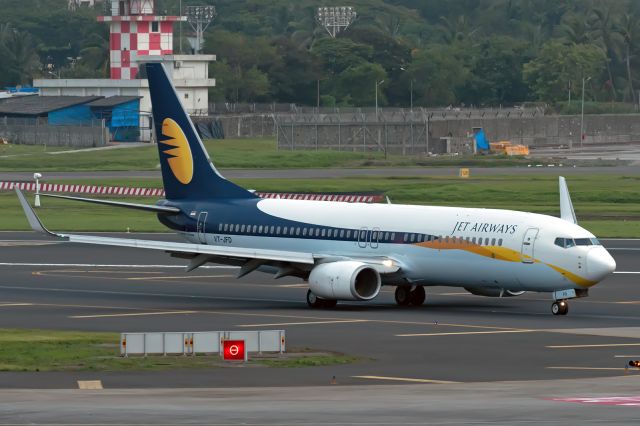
[{"x": 560, "y": 307}]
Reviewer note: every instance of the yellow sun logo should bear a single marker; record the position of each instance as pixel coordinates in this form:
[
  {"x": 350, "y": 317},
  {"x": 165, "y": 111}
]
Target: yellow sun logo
[{"x": 181, "y": 161}]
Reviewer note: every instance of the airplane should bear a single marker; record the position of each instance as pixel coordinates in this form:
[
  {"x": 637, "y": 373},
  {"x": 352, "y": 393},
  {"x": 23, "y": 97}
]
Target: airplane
[{"x": 348, "y": 251}]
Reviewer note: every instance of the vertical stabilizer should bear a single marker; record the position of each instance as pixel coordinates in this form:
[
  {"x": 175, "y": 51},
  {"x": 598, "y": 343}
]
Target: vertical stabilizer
[
  {"x": 566, "y": 206},
  {"x": 187, "y": 171}
]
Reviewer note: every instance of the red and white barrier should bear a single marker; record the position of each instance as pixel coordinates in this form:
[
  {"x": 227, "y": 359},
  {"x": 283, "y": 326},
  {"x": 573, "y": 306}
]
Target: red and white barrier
[{"x": 159, "y": 193}]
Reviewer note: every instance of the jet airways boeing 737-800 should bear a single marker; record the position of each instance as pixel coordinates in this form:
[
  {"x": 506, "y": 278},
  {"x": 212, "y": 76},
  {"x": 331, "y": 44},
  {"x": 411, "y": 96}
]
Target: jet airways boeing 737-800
[{"x": 348, "y": 251}]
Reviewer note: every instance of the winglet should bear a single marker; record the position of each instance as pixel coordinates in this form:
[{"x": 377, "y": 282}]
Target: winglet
[
  {"x": 566, "y": 206},
  {"x": 33, "y": 219}
]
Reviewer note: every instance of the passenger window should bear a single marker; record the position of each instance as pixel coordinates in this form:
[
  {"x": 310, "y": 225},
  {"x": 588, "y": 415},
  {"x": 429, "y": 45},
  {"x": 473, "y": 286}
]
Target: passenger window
[
  {"x": 226, "y": 227},
  {"x": 297, "y": 231},
  {"x": 500, "y": 242},
  {"x": 348, "y": 234},
  {"x": 486, "y": 241},
  {"x": 393, "y": 236},
  {"x": 271, "y": 230},
  {"x": 285, "y": 230},
  {"x": 342, "y": 233},
  {"x": 260, "y": 229},
  {"x": 493, "y": 241},
  {"x": 304, "y": 232},
  {"x": 219, "y": 227},
  {"x": 324, "y": 232},
  {"x": 374, "y": 236}
]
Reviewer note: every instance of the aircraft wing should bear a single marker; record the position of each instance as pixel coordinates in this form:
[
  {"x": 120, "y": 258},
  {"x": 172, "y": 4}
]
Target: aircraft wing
[{"x": 202, "y": 253}]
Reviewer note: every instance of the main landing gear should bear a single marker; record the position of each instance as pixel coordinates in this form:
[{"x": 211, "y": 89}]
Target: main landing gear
[
  {"x": 560, "y": 307},
  {"x": 317, "y": 302},
  {"x": 406, "y": 296}
]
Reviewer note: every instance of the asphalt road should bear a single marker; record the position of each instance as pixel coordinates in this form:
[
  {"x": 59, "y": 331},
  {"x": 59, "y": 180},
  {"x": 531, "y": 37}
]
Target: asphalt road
[
  {"x": 469, "y": 359},
  {"x": 339, "y": 173}
]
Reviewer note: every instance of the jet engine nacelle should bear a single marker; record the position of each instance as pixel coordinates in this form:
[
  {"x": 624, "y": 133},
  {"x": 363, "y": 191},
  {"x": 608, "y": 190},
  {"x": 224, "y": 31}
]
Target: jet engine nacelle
[
  {"x": 493, "y": 292},
  {"x": 345, "y": 280}
]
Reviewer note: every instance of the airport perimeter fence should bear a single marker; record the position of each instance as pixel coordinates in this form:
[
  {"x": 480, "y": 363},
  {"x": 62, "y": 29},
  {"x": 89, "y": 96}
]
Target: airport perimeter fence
[
  {"x": 36, "y": 132},
  {"x": 422, "y": 132}
]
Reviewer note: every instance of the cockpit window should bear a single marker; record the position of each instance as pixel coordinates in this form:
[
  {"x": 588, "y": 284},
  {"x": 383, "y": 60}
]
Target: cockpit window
[
  {"x": 595, "y": 242},
  {"x": 564, "y": 242},
  {"x": 583, "y": 241}
]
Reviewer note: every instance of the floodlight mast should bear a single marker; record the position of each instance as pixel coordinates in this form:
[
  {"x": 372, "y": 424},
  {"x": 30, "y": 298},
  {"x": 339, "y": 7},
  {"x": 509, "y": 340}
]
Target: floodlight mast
[
  {"x": 336, "y": 19},
  {"x": 199, "y": 17}
]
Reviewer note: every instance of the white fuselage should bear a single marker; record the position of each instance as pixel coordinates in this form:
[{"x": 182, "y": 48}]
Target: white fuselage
[{"x": 449, "y": 246}]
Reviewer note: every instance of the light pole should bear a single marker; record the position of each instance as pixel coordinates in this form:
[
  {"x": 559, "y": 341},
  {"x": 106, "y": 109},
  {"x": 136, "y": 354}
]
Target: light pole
[
  {"x": 378, "y": 83},
  {"x": 410, "y": 91},
  {"x": 37, "y": 177},
  {"x": 582, "y": 112}
]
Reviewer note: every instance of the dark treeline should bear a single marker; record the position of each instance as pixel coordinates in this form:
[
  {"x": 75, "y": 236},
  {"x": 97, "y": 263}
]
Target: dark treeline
[{"x": 450, "y": 52}]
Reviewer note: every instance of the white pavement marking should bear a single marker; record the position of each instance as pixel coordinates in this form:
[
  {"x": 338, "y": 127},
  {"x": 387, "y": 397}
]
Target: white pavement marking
[
  {"x": 606, "y": 345},
  {"x": 588, "y": 368},
  {"x": 99, "y": 265},
  {"x": 2, "y": 305},
  {"x": 627, "y": 272},
  {"x": 138, "y": 293},
  {"x": 462, "y": 333},
  {"x": 181, "y": 277},
  {"x": 304, "y": 323},
  {"x": 134, "y": 314},
  {"x": 406, "y": 379}
]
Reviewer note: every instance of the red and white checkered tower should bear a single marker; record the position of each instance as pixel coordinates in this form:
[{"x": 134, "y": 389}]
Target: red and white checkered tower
[{"x": 137, "y": 32}]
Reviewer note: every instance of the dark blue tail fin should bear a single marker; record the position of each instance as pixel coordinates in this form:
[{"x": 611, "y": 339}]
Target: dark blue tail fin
[{"x": 187, "y": 171}]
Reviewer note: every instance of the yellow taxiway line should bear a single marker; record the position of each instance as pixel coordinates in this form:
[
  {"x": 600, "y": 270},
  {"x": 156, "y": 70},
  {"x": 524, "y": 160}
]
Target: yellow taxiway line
[
  {"x": 133, "y": 314},
  {"x": 279, "y": 324},
  {"x": 462, "y": 333},
  {"x": 605, "y": 345},
  {"x": 589, "y": 368},
  {"x": 406, "y": 379}
]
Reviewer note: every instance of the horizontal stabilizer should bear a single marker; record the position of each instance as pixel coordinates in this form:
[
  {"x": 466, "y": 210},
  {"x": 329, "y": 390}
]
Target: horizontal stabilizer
[
  {"x": 566, "y": 206},
  {"x": 145, "y": 207}
]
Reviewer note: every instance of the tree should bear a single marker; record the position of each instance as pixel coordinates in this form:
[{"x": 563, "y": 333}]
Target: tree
[
  {"x": 496, "y": 72},
  {"x": 357, "y": 85},
  {"x": 439, "y": 72},
  {"x": 629, "y": 31},
  {"x": 559, "y": 65},
  {"x": 338, "y": 54}
]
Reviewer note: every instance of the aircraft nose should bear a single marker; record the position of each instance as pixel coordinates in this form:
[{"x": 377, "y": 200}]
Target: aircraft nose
[{"x": 599, "y": 263}]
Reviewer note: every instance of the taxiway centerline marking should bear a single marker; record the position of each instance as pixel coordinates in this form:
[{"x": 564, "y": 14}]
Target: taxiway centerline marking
[
  {"x": 588, "y": 368},
  {"x": 607, "y": 345},
  {"x": 463, "y": 333},
  {"x": 132, "y": 314},
  {"x": 406, "y": 379},
  {"x": 301, "y": 285},
  {"x": 2, "y": 305},
  {"x": 626, "y": 356},
  {"x": 102, "y": 265},
  {"x": 304, "y": 323},
  {"x": 178, "y": 277}
]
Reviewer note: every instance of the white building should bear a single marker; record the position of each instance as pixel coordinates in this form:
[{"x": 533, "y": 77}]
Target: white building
[{"x": 190, "y": 75}]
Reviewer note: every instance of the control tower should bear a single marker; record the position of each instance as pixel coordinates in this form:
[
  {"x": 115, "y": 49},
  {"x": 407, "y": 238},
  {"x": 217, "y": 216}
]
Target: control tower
[{"x": 135, "y": 32}]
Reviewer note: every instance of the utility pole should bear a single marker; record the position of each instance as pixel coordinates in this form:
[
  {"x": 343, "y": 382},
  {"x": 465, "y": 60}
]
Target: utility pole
[
  {"x": 582, "y": 112},
  {"x": 378, "y": 83}
]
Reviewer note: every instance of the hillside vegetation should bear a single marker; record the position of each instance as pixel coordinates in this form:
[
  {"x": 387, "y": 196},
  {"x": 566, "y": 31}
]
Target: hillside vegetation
[{"x": 454, "y": 52}]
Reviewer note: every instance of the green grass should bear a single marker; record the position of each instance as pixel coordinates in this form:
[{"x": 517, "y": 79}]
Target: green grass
[
  {"x": 52, "y": 350},
  {"x": 258, "y": 153},
  {"x": 607, "y": 205}
]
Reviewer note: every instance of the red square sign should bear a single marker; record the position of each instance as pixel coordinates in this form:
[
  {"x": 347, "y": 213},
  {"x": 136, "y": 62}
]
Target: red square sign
[{"x": 234, "y": 350}]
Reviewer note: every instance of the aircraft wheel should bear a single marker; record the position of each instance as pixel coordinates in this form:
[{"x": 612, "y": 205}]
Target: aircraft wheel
[
  {"x": 560, "y": 307},
  {"x": 314, "y": 301},
  {"x": 403, "y": 295},
  {"x": 417, "y": 296}
]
